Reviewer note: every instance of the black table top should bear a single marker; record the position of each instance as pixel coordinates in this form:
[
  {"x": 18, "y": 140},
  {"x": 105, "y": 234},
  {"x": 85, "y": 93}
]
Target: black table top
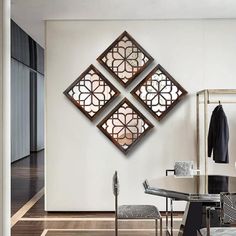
[{"x": 192, "y": 188}]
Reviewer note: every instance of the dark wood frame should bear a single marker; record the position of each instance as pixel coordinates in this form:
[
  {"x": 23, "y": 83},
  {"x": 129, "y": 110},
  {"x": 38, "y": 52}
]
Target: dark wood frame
[
  {"x": 125, "y": 33},
  {"x": 91, "y": 67},
  {"x": 125, "y": 100},
  {"x": 159, "y": 67}
]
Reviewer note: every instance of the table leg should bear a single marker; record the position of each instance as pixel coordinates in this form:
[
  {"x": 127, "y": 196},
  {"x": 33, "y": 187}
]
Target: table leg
[
  {"x": 194, "y": 219},
  {"x": 167, "y": 213},
  {"x": 171, "y": 216}
]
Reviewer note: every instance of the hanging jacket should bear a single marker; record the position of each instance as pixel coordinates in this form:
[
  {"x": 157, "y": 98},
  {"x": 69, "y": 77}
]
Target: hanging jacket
[
  {"x": 218, "y": 136},
  {"x": 218, "y": 184}
]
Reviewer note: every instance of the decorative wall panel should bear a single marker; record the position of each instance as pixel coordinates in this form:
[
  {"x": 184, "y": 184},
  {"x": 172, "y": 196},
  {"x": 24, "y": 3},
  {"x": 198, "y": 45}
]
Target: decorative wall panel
[
  {"x": 125, "y": 125},
  {"x": 125, "y": 59},
  {"x": 159, "y": 92},
  {"x": 91, "y": 92}
]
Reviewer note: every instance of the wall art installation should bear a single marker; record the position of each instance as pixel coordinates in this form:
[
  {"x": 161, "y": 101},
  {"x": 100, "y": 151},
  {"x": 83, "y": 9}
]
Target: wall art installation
[
  {"x": 159, "y": 92},
  {"x": 125, "y": 125},
  {"x": 91, "y": 92},
  {"x": 125, "y": 59}
]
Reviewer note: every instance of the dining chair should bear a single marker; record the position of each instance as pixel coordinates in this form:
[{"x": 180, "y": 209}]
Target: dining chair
[
  {"x": 227, "y": 217},
  {"x": 134, "y": 212}
]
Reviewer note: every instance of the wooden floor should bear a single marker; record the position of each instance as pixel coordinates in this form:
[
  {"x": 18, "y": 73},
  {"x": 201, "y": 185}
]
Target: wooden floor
[
  {"x": 79, "y": 224},
  {"x": 27, "y": 178},
  {"x": 30, "y": 219}
]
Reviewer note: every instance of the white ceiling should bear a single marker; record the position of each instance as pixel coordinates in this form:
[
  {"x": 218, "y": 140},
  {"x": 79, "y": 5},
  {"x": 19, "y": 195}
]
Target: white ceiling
[{"x": 30, "y": 14}]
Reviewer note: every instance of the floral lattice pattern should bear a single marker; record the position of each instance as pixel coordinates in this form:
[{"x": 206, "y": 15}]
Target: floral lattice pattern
[
  {"x": 159, "y": 92},
  {"x": 125, "y": 125},
  {"x": 125, "y": 59},
  {"x": 91, "y": 92}
]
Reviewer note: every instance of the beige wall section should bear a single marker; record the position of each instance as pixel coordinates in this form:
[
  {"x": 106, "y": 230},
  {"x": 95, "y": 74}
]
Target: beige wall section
[
  {"x": 80, "y": 160},
  {"x": 4, "y": 117},
  {"x": 1, "y": 116}
]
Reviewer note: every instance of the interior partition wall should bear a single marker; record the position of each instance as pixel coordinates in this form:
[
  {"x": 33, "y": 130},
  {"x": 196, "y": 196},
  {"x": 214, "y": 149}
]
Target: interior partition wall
[
  {"x": 5, "y": 117},
  {"x": 20, "y": 110},
  {"x": 27, "y": 87},
  {"x": 36, "y": 111}
]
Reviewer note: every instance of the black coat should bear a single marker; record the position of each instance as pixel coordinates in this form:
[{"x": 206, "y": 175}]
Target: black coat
[{"x": 218, "y": 136}]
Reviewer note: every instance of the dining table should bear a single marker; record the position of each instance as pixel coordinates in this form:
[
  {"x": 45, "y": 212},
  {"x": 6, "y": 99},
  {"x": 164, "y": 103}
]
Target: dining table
[{"x": 199, "y": 191}]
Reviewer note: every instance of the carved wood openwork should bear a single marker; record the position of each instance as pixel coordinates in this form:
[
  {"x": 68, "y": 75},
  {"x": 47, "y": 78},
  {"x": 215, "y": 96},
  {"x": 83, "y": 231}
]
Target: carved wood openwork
[
  {"x": 125, "y": 59},
  {"x": 91, "y": 92},
  {"x": 159, "y": 92},
  {"x": 125, "y": 125}
]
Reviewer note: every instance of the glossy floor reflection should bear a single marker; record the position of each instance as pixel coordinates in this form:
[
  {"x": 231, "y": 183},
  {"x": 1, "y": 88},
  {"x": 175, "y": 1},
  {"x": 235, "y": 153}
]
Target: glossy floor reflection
[{"x": 27, "y": 178}]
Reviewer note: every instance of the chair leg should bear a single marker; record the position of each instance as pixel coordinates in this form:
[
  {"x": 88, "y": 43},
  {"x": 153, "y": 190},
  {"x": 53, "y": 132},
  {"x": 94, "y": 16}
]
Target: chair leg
[
  {"x": 167, "y": 213},
  {"x": 116, "y": 226},
  {"x": 171, "y": 216},
  {"x": 160, "y": 226},
  {"x": 208, "y": 221},
  {"x": 156, "y": 227}
]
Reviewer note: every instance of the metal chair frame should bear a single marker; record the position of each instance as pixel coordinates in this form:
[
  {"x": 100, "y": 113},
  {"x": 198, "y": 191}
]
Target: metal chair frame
[
  {"x": 208, "y": 214},
  {"x": 171, "y": 208},
  {"x": 116, "y": 193}
]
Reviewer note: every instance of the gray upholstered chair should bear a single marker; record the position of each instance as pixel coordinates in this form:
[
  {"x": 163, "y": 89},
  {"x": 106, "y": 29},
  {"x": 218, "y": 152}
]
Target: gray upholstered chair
[
  {"x": 227, "y": 217},
  {"x": 134, "y": 211}
]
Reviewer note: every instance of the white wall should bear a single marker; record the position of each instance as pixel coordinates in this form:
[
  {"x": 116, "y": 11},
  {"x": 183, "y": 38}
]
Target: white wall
[
  {"x": 1, "y": 120},
  {"x": 80, "y": 160},
  {"x": 5, "y": 118}
]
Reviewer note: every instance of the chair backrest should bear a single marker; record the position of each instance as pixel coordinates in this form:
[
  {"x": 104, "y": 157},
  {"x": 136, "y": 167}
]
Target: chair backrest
[
  {"x": 115, "y": 184},
  {"x": 115, "y": 188},
  {"x": 228, "y": 208},
  {"x": 183, "y": 168}
]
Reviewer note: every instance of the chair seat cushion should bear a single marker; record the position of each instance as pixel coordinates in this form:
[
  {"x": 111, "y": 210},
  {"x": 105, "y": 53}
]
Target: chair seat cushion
[
  {"x": 219, "y": 231},
  {"x": 138, "y": 212}
]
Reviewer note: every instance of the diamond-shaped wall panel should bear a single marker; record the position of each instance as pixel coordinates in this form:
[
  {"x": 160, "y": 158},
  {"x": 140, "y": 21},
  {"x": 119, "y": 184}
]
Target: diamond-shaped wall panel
[
  {"x": 159, "y": 92},
  {"x": 125, "y": 125},
  {"x": 91, "y": 92},
  {"x": 125, "y": 59}
]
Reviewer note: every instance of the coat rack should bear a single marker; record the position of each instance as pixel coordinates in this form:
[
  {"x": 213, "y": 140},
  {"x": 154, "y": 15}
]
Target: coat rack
[{"x": 204, "y": 97}]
